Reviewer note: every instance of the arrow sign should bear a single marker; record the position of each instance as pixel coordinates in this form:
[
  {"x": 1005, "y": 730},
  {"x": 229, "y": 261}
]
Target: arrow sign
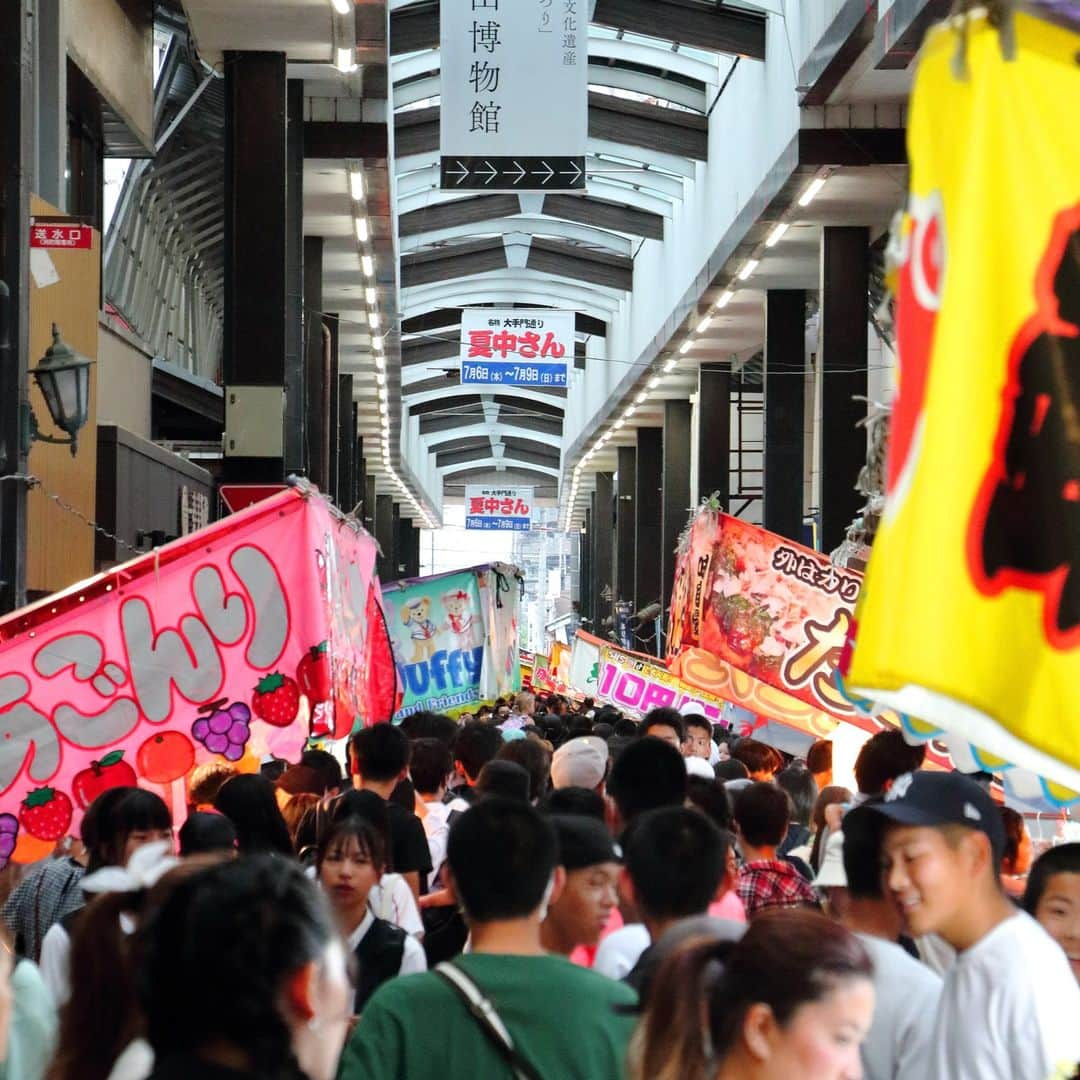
[{"x": 460, "y": 173}]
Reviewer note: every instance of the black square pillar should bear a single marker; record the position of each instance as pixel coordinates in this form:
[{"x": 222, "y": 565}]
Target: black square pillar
[
  {"x": 603, "y": 536},
  {"x": 318, "y": 350},
  {"x": 346, "y": 440},
  {"x": 625, "y": 523},
  {"x": 255, "y": 248},
  {"x": 714, "y": 433},
  {"x": 845, "y": 273},
  {"x": 650, "y": 463},
  {"x": 676, "y": 489},
  {"x": 370, "y": 502},
  {"x": 384, "y": 535},
  {"x": 585, "y": 573},
  {"x": 785, "y": 403},
  {"x": 295, "y": 396}
]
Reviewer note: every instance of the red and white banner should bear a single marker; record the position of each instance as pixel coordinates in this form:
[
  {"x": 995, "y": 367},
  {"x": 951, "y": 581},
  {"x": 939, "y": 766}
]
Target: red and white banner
[{"x": 51, "y": 234}]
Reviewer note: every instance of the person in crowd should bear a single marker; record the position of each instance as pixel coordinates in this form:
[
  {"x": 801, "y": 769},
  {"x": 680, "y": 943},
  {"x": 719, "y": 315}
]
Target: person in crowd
[
  {"x": 762, "y": 762},
  {"x": 793, "y": 997},
  {"x": 648, "y": 774},
  {"x": 248, "y": 801},
  {"x": 882, "y": 758},
  {"x": 298, "y": 780},
  {"x": 800, "y": 786},
  {"x": 813, "y": 852},
  {"x": 505, "y": 780},
  {"x": 391, "y": 898},
  {"x": 676, "y": 866},
  {"x": 430, "y": 768},
  {"x": 762, "y": 812},
  {"x": 477, "y": 744},
  {"x": 535, "y": 758},
  {"x": 522, "y": 712},
  {"x": 582, "y": 801},
  {"x": 27, "y": 1017},
  {"x": 590, "y": 861},
  {"x": 580, "y": 762},
  {"x": 906, "y": 992},
  {"x": 731, "y": 769},
  {"x": 698, "y": 742},
  {"x": 379, "y": 758},
  {"x": 1053, "y": 898},
  {"x": 1016, "y": 859},
  {"x": 206, "y": 833},
  {"x": 52, "y": 889},
  {"x": 666, "y": 725},
  {"x": 296, "y": 811},
  {"x": 136, "y": 819},
  {"x": 626, "y": 727},
  {"x": 563, "y": 1020},
  {"x": 941, "y": 851},
  {"x": 329, "y": 769},
  {"x": 351, "y": 861},
  {"x": 206, "y": 781},
  {"x": 431, "y": 725},
  {"x": 819, "y": 762},
  {"x": 243, "y": 974},
  {"x": 711, "y": 798}
]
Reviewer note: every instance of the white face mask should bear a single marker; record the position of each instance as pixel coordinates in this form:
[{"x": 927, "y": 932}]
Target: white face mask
[{"x": 547, "y": 897}]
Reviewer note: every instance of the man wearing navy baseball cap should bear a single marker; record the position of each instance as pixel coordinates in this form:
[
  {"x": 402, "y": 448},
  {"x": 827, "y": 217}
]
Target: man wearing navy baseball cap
[{"x": 1010, "y": 1007}]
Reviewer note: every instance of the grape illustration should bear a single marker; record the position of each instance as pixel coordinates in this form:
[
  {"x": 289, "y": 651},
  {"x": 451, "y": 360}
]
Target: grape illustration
[
  {"x": 9, "y": 833},
  {"x": 224, "y": 729}
]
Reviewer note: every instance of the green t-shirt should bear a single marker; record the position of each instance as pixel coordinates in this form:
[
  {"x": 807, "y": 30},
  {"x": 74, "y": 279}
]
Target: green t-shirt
[{"x": 564, "y": 1020}]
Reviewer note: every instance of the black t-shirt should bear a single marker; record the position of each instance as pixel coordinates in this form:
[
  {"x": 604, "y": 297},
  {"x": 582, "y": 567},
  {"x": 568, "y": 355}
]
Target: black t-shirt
[{"x": 409, "y": 849}]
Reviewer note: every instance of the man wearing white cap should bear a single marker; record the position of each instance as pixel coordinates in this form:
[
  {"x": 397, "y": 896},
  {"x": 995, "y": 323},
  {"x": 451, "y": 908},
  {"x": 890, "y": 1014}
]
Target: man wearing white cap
[
  {"x": 580, "y": 762},
  {"x": 906, "y": 992}
]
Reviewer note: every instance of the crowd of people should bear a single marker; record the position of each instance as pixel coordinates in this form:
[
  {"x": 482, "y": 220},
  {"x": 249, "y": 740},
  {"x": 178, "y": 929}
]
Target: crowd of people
[{"x": 550, "y": 891}]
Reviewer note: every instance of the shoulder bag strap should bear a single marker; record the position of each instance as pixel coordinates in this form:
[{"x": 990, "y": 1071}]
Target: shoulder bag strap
[{"x": 489, "y": 1020}]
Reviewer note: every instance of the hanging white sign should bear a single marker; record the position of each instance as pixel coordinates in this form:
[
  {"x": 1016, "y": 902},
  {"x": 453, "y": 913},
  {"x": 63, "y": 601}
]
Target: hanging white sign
[
  {"x": 516, "y": 346},
  {"x": 514, "y": 107}
]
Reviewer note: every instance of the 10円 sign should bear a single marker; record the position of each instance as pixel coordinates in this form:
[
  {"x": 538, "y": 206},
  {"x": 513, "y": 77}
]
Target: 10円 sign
[
  {"x": 514, "y": 110},
  {"x": 504, "y": 508},
  {"x": 515, "y": 347}
]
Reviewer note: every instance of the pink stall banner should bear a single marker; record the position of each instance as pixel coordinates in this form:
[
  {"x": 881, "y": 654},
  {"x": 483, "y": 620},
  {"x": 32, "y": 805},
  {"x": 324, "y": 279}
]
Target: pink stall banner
[{"x": 236, "y": 642}]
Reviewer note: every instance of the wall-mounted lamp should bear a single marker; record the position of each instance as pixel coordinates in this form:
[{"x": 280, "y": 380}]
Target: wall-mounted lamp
[{"x": 63, "y": 377}]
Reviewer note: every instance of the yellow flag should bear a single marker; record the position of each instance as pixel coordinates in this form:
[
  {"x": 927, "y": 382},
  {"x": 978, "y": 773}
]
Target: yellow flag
[{"x": 970, "y": 612}]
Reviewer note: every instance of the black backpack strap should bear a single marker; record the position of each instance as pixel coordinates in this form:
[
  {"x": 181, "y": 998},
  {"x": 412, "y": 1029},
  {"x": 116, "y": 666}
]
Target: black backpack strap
[{"x": 488, "y": 1019}]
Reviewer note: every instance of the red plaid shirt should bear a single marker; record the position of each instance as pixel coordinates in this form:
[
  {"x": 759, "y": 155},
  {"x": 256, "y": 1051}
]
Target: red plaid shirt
[{"x": 773, "y": 883}]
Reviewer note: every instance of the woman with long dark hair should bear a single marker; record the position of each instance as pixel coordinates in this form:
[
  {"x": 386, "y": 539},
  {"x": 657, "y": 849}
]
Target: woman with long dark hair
[
  {"x": 243, "y": 975},
  {"x": 248, "y": 801},
  {"x": 792, "y": 998}
]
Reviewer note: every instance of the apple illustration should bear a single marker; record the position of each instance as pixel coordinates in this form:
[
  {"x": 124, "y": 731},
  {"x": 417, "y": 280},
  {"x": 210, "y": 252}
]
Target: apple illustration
[{"x": 110, "y": 772}]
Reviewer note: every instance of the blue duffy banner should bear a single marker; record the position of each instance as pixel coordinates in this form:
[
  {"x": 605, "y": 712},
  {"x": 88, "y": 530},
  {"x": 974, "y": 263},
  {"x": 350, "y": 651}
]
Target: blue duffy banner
[{"x": 437, "y": 629}]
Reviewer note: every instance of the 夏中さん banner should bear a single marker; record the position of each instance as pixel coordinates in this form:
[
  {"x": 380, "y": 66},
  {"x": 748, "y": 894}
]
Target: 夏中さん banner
[
  {"x": 455, "y": 637},
  {"x": 970, "y": 618},
  {"x": 237, "y": 641}
]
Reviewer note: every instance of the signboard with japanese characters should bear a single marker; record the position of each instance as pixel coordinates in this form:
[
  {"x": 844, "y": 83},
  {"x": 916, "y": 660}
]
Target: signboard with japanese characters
[
  {"x": 60, "y": 234},
  {"x": 503, "y": 508},
  {"x": 515, "y": 347},
  {"x": 514, "y": 111}
]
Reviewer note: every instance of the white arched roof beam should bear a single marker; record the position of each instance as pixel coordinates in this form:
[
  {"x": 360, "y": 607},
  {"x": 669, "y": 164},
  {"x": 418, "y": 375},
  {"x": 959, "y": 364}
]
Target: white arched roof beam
[
  {"x": 567, "y": 288},
  {"x": 530, "y": 225},
  {"x": 494, "y": 462},
  {"x": 655, "y": 52},
  {"x": 453, "y": 390},
  {"x": 459, "y": 292},
  {"x": 626, "y": 192},
  {"x": 410, "y": 65},
  {"x": 675, "y": 164}
]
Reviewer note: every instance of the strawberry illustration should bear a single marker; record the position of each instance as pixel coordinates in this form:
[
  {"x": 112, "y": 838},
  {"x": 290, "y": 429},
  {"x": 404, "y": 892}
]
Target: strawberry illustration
[
  {"x": 46, "y": 813},
  {"x": 277, "y": 700}
]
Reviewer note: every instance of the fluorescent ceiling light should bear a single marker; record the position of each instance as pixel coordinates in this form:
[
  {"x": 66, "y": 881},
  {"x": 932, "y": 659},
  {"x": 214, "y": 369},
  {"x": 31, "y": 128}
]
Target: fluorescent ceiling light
[
  {"x": 380, "y": 378},
  {"x": 618, "y": 424},
  {"x": 346, "y": 61},
  {"x": 379, "y": 362},
  {"x": 725, "y": 298},
  {"x": 641, "y": 398},
  {"x": 369, "y": 296},
  {"x": 374, "y": 320},
  {"x": 342, "y": 7},
  {"x": 812, "y": 189},
  {"x": 748, "y": 268},
  {"x": 671, "y": 365},
  {"x": 362, "y": 232},
  {"x": 630, "y": 412},
  {"x": 377, "y": 341},
  {"x": 654, "y": 382},
  {"x": 774, "y": 236},
  {"x": 368, "y": 265},
  {"x": 703, "y": 325},
  {"x": 684, "y": 348},
  {"x": 356, "y": 184}
]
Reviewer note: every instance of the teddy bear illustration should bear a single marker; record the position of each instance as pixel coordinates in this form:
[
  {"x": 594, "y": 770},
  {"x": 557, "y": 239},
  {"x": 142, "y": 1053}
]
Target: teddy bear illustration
[
  {"x": 415, "y": 614},
  {"x": 461, "y": 623}
]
